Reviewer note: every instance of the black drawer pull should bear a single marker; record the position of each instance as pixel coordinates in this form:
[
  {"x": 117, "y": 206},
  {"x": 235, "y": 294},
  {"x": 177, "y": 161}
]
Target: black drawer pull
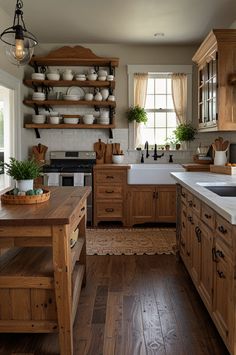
[
  {"x": 190, "y": 218},
  {"x": 221, "y": 274},
  {"x": 198, "y": 234},
  {"x": 153, "y": 194},
  {"x": 109, "y": 209},
  {"x": 183, "y": 194},
  {"x": 220, "y": 254},
  {"x": 109, "y": 177},
  {"x": 188, "y": 253},
  {"x": 222, "y": 230},
  {"x": 208, "y": 216},
  {"x": 82, "y": 209},
  {"x": 182, "y": 243},
  {"x": 109, "y": 191},
  {"x": 190, "y": 203}
]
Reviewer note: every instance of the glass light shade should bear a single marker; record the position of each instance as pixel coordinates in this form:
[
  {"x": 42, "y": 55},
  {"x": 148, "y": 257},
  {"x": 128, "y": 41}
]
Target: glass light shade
[{"x": 20, "y": 53}]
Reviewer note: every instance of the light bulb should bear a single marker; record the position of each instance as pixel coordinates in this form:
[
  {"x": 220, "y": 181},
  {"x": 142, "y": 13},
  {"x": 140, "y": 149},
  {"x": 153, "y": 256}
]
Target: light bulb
[{"x": 19, "y": 49}]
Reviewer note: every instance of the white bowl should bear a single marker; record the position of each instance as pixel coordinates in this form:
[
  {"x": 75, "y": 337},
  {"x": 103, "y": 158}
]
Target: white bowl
[
  {"x": 38, "y": 119},
  {"x": 71, "y": 120},
  {"x": 102, "y": 78},
  {"x": 53, "y": 114},
  {"x": 53, "y": 76},
  {"x": 38, "y": 98},
  {"x": 110, "y": 77},
  {"x": 88, "y": 119},
  {"x": 67, "y": 76},
  {"x": 117, "y": 159},
  {"x": 102, "y": 72},
  {"x": 54, "y": 119},
  {"x": 92, "y": 77},
  {"x": 111, "y": 98},
  {"x": 38, "y": 76},
  {"x": 88, "y": 96},
  {"x": 105, "y": 122},
  {"x": 80, "y": 78},
  {"x": 71, "y": 97}
]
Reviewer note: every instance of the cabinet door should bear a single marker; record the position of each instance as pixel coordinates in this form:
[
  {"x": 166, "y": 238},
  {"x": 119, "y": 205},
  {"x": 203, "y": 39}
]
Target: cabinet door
[
  {"x": 183, "y": 232},
  {"x": 206, "y": 268},
  {"x": 222, "y": 291},
  {"x": 142, "y": 204},
  {"x": 166, "y": 204}
]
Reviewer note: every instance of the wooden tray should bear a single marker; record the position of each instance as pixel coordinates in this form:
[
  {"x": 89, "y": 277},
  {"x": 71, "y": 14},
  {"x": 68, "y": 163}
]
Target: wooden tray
[
  {"x": 222, "y": 169},
  {"x": 25, "y": 200}
]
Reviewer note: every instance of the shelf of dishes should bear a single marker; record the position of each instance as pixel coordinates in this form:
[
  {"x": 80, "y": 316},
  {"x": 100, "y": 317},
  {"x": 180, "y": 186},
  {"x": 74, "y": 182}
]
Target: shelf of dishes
[
  {"x": 69, "y": 126},
  {"x": 69, "y": 102},
  {"x": 68, "y": 75},
  {"x": 68, "y": 83},
  {"x": 55, "y": 118}
]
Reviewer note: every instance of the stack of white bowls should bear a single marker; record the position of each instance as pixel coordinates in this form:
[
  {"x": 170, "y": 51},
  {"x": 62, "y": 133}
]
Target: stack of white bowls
[
  {"x": 38, "y": 119},
  {"x": 104, "y": 118},
  {"x": 80, "y": 77},
  {"x": 71, "y": 120},
  {"x": 38, "y": 96},
  {"x": 102, "y": 75},
  {"x": 92, "y": 77},
  {"x": 38, "y": 76}
]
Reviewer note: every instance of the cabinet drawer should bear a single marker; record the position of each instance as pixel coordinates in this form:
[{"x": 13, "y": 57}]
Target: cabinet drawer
[
  {"x": 109, "y": 209},
  {"x": 224, "y": 229},
  {"x": 109, "y": 192},
  {"x": 196, "y": 206},
  {"x": 110, "y": 177},
  {"x": 208, "y": 216}
]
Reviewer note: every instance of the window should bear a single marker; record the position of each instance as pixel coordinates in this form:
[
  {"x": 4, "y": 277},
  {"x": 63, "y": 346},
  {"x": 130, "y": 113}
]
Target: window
[{"x": 159, "y": 107}]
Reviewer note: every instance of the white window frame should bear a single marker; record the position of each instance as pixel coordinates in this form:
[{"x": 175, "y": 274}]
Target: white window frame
[
  {"x": 132, "y": 69},
  {"x": 15, "y": 124}
]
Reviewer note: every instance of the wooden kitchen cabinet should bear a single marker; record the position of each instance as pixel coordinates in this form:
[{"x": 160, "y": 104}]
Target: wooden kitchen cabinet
[
  {"x": 148, "y": 203},
  {"x": 109, "y": 196},
  {"x": 215, "y": 60},
  {"x": 206, "y": 243},
  {"x": 68, "y": 57}
]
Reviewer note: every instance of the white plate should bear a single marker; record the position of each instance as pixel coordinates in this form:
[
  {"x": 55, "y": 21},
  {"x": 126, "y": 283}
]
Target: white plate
[
  {"x": 71, "y": 97},
  {"x": 76, "y": 90}
]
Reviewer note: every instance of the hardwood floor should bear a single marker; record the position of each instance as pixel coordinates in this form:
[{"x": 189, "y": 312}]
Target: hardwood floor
[{"x": 133, "y": 305}]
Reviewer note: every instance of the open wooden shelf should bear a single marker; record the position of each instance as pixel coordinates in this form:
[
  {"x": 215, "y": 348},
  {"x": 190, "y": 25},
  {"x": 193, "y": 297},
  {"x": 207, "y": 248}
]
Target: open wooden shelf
[
  {"x": 76, "y": 251},
  {"x": 69, "y": 102},
  {"x": 69, "y": 83},
  {"x": 68, "y": 126},
  {"x": 77, "y": 279}
]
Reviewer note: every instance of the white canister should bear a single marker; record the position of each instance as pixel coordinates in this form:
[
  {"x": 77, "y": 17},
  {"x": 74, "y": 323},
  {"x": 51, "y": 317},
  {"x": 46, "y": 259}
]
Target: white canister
[
  {"x": 98, "y": 96},
  {"x": 105, "y": 94},
  {"x": 220, "y": 157}
]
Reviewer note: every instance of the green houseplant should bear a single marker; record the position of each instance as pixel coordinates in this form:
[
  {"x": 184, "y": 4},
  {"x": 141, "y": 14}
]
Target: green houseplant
[
  {"x": 137, "y": 113},
  {"x": 185, "y": 132},
  {"x": 24, "y": 172}
]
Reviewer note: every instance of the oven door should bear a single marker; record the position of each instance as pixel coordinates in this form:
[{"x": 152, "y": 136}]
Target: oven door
[{"x": 66, "y": 179}]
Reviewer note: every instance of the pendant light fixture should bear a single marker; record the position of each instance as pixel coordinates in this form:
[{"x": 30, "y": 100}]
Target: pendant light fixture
[{"x": 19, "y": 42}]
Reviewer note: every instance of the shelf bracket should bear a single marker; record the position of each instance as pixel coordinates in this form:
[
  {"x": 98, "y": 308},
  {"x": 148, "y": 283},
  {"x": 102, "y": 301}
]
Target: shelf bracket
[
  {"x": 111, "y": 69},
  {"x": 37, "y": 134},
  {"x": 110, "y": 133},
  {"x": 36, "y": 109},
  {"x": 96, "y": 108}
]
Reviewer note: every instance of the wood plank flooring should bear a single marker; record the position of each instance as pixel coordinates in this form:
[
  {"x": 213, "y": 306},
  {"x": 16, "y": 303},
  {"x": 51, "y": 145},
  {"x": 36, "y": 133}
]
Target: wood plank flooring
[{"x": 132, "y": 305}]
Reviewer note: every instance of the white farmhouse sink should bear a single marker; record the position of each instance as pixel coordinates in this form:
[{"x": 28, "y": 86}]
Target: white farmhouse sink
[{"x": 152, "y": 174}]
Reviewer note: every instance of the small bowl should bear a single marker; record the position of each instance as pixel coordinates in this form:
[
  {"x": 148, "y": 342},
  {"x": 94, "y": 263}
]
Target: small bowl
[
  {"x": 117, "y": 159},
  {"x": 110, "y": 77},
  {"x": 88, "y": 96},
  {"x": 38, "y": 96},
  {"x": 71, "y": 120},
  {"x": 102, "y": 72},
  {"x": 53, "y": 76},
  {"x": 92, "y": 77},
  {"x": 67, "y": 76},
  {"x": 54, "y": 119},
  {"x": 88, "y": 119},
  {"x": 38, "y": 76},
  {"x": 111, "y": 98},
  {"x": 53, "y": 114},
  {"x": 102, "y": 78},
  {"x": 38, "y": 119}
]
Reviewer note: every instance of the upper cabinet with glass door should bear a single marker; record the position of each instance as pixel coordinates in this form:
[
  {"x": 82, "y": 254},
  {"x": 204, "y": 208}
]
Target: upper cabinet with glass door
[{"x": 216, "y": 61}]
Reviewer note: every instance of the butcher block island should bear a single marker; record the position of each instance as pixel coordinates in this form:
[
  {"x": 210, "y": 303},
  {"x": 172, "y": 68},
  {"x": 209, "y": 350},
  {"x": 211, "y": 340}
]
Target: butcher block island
[{"x": 41, "y": 274}]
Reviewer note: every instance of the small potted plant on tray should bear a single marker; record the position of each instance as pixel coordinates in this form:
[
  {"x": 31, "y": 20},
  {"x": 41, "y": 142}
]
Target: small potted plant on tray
[{"x": 24, "y": 172}]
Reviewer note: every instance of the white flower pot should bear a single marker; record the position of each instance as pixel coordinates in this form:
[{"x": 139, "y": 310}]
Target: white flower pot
[{"x": 25, "y": 185}]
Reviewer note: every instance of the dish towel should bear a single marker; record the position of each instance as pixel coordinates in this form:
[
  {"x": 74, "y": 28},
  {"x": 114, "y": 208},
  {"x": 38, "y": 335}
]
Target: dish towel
[
  {"x": 78, "y": 179},
  {"x": 53, "y": 179}
]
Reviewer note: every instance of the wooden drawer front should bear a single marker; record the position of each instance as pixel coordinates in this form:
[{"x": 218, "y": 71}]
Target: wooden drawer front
[
  {"x": 208, "y": 216},
  {"x": 196, "y": 206},
  {"x": 109, "y": 192},
  {"x": 109, "y": 209},
  {"x": 184, "y": 194},
  {"x": 224, "y": 229},
  {"x": 110, "y": 177}
]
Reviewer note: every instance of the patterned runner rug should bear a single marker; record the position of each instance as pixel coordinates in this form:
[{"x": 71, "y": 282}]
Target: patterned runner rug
[{"x": 117, "y": 241}]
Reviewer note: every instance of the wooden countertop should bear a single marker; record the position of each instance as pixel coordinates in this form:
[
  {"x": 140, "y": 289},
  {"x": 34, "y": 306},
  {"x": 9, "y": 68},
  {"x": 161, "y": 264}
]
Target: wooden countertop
[{"x": 56, "y": 211}]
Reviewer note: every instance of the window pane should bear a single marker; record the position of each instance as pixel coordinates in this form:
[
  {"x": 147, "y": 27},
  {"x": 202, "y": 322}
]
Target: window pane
[
  {"x": 171, "y": 119},
  {"x": 148, "y": 135},
  {"x": 169, "y": 91},
  {"x": 160, "y": 134},
  {"x": 170, "y": 132},
  {"x": 160, "y": 86},
  {"x": 150, "y": 122},
  {"x": 150, "y": 86},
  {"x": 170, "y": 102},
  {"x": 160, "y": 119},
  {"x": 160, "y": 101},
  {"x": 149, "y": 101}
]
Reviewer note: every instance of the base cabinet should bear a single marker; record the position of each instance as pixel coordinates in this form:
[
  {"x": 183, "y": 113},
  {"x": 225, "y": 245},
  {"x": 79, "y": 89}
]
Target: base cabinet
[
  {"x": 149, "y": 203},
  {"x": 206, "y": 245}
]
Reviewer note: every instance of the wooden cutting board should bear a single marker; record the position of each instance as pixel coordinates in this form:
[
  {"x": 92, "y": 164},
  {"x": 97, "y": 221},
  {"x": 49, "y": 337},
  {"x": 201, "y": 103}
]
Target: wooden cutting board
[
  {"x": 108, "y": 154},
  {"x": 99, "y": 148}
]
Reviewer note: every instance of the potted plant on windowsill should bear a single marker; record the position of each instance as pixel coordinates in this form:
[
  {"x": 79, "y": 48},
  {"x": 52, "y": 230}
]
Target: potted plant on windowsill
[
  {"x": 24, "y": 172},
  {"x": 185, "y": 132},
  {"x": 137, "y": 114}
]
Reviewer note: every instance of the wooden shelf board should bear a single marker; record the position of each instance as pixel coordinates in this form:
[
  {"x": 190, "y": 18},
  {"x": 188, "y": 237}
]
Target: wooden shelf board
[
  {"x": 74, "y": 61},
  {"x": 68, "y": 126},
  {"x": 76, "y": 251},
  {"x": 77, "y": 279},
  {"x": 69, "y": 83},
  {"x": 69, "y": 102}
]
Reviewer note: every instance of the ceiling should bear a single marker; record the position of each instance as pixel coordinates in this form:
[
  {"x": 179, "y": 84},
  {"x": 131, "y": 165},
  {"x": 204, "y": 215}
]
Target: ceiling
[{"x": 123, "y": 21}]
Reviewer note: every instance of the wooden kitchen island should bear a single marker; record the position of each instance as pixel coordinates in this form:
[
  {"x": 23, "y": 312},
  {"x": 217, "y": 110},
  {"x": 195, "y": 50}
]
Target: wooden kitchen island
[{"x": 40, "y": 274}]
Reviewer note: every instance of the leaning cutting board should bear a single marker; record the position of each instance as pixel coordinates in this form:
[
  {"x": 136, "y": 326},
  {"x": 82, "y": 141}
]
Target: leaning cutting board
[
  {"x": 99, "y": 148},
  {"x": 108, "y": 154}
]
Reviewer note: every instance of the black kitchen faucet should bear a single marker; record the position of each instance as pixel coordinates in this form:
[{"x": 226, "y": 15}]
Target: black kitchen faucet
[{"x": 155, "y": 156}]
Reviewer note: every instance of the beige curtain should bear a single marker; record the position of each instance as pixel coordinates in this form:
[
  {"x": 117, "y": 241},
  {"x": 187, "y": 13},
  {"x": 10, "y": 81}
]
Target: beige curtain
[
  {"x": 140, "y": 92},
  {"x": 179, "y": 95}
]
